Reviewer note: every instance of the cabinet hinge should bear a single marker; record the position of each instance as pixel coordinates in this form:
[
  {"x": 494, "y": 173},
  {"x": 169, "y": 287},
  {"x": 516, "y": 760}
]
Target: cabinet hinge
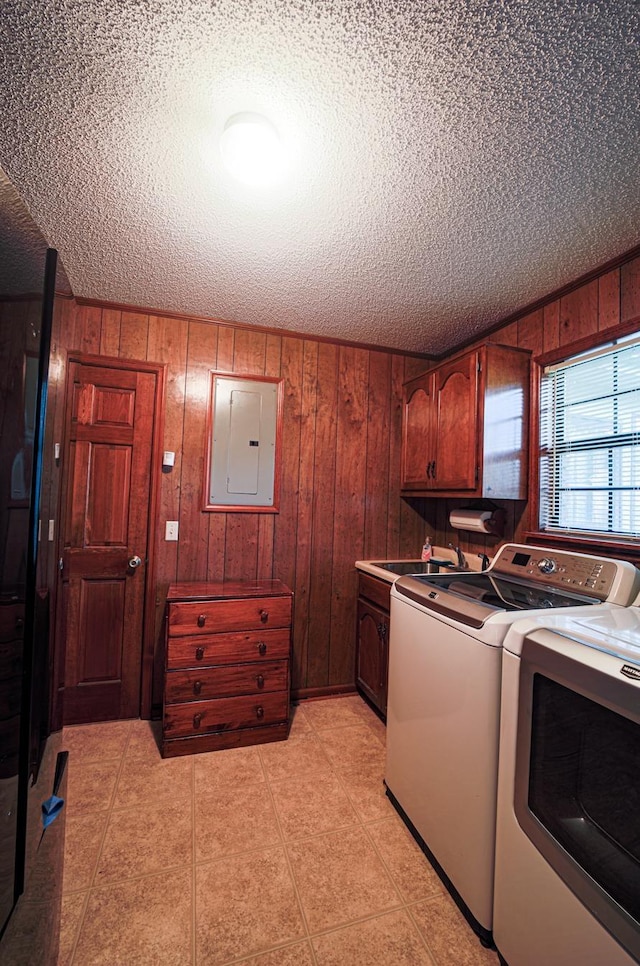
[{"x": 477, "y": 473}]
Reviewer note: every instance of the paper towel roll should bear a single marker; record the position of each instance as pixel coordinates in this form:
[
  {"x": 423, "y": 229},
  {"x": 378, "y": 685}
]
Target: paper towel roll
[{"x": 476, "y": 520}]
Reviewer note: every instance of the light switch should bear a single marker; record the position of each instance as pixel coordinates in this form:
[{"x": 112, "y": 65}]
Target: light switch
[{"x": 171, "y": 530}]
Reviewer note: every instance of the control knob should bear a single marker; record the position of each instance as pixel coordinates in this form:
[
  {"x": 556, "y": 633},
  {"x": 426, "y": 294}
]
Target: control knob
[{"x": 547, "y": 565}]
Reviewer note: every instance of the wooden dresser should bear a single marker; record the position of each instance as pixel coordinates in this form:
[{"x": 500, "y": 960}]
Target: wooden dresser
[{"x": 227, "y": 665}]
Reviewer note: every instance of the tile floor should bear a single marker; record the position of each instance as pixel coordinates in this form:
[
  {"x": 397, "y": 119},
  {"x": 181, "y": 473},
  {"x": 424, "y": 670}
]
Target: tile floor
[{"x": 285, "y": 854}]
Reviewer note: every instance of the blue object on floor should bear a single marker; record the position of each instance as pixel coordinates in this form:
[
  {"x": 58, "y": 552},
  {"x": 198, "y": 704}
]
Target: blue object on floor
[{"x": 51, "y": 808}]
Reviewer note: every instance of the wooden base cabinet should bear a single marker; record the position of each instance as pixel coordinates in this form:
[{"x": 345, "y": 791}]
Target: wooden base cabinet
[
  {"x": 227, "y": 676},
  {"x": 372, "y": 642}
]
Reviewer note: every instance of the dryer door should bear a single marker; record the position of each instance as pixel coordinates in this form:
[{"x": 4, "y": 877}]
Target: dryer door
[{"x": 577, "y": 786}]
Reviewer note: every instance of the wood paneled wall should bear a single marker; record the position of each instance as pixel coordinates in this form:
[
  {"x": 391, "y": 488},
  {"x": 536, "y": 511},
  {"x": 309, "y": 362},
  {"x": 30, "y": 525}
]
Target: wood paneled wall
[
  {"x": 599, "y": 305},
  {"x": 341, "y": 456},
  {"x": 340, "y": 473}
]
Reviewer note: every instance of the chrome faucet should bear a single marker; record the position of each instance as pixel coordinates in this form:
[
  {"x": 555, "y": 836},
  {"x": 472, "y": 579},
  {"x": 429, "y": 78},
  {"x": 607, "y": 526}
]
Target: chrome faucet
[{"x": 462, "y": 563}]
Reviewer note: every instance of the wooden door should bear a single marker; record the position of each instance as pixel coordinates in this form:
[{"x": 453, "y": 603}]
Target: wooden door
[
  {"x": 417, "y": 433},
  {"x": 107, "y": 486},
  {"x": 457, "y": 424},
  {"x": 371, "y": 650}
]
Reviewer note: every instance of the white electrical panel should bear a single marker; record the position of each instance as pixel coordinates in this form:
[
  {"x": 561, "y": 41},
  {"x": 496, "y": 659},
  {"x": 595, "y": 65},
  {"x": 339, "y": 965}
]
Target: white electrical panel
[{"x": 244, "y": 442}]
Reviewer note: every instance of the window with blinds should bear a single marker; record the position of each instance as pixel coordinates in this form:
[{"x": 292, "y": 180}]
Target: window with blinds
[{"x": 590, "y": 443}]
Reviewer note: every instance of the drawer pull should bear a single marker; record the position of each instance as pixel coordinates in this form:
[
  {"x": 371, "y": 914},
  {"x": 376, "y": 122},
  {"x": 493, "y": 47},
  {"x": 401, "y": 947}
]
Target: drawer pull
[
  {"x": 260, "y": 681},
  {"x": 199, "y": 653},
  {"x": 197, "y": 687},
  {"x": 197, "y": 718},
  {"x": 262, "y": 648},
  {"x": 264, "y": 616},
  {"x": 202, "y": 620},
  {"x": 259, "y": 711}
]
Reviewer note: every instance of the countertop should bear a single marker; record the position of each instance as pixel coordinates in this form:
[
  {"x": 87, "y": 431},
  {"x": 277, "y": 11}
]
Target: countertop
[{"x": 442, "y": 553}]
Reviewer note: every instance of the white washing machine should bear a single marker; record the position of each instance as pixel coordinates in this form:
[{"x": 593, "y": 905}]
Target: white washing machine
[
  {"x": 567, "y": 879},
  {"x": 445, "y": 659}
]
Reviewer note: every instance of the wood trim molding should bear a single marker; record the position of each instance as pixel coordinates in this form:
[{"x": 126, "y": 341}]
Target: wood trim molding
[
  {"x": 270, "y": 330},
  {"x": 540, "y": 303},
  {"x": 148, "y": 641},
  {"x": 589, "y": 342},
  {"x": 301, "y": 694},
  {"x": 533, "y": 503},
  {"x": 207, "y": 505},
  {"x": 604, "y": 548},
  {"x": 586, "y": 544}
]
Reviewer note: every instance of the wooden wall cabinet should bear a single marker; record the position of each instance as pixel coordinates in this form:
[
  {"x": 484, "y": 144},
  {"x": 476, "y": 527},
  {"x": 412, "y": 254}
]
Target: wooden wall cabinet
[
  {"x": 227, "y": 668},
  {"x": 372, "y": 639},
  {"x": 465, "y": 426}
]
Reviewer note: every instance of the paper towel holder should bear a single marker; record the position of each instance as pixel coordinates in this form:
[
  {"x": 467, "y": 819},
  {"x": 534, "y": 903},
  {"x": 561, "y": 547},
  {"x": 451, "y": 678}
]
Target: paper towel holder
[{"x": 482, "y": 517}]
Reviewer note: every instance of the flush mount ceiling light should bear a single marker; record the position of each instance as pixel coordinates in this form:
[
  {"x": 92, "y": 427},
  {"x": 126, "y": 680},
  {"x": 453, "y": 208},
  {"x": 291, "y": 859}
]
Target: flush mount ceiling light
[{"x": 252, "y": 150}]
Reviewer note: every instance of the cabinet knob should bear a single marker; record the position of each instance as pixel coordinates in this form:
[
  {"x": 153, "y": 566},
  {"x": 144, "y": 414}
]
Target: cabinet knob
[
  {"x": 259, "y": 711},
  {"x": 197, "y": 687},
  {"x": 260, "y": 681},
  {"x": 264, "y": 616},
  {"x": 197, "y": 718},
  {"x": 262, "y": 647},
  {"x": 199, "y": 653},
  {"x": 202, "y": 620}
]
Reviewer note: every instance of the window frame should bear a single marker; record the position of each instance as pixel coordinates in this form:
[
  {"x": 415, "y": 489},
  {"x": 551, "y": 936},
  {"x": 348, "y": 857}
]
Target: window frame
[{"x": 585, "y": 543}]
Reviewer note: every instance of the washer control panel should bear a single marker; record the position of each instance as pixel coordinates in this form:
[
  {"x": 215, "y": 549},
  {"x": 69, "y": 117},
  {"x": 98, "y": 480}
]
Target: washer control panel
[{"x": 579, "y": 573}]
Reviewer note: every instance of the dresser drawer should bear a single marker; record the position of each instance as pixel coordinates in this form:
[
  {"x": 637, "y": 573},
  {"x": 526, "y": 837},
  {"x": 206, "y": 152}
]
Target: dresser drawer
[
  {"x": 210, "y": 616},
  {"x": 225, "y": 714},
  {"x": 199, "y": 684},
  {"x": 183, "y": 652},
  {"x": 376, "y": 590}
]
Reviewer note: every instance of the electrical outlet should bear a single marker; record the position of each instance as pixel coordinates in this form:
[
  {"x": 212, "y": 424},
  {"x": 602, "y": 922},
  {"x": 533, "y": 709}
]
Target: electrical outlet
[{"x": 171, "y": 530}]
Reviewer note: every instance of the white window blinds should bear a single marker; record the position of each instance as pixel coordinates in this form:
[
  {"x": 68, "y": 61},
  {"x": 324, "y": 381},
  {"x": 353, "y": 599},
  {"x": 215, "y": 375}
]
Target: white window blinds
[{"x": 590, "y": 443}]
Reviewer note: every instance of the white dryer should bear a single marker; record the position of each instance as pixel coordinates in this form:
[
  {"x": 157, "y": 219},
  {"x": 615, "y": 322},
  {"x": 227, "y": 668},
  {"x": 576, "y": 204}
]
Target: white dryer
[{"x": 567, "y": 879}]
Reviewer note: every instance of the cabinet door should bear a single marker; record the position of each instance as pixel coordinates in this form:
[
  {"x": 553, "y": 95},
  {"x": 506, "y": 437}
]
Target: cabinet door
[
  {"x": 372, "y": 645},
  {"x": 417, "y": 427},
  {"x": 457, "y": 424}
]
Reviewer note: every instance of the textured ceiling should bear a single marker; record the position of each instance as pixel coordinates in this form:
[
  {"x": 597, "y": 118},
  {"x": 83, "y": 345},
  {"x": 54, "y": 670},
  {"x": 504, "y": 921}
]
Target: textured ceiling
[
  {"x": 22, "y": 248},
  {"x": 454, "y": 159}
]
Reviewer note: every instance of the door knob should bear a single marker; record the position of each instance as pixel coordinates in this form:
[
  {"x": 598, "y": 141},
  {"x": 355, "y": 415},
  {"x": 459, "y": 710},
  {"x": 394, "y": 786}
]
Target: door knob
[{"x": 135, "y": 562}]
